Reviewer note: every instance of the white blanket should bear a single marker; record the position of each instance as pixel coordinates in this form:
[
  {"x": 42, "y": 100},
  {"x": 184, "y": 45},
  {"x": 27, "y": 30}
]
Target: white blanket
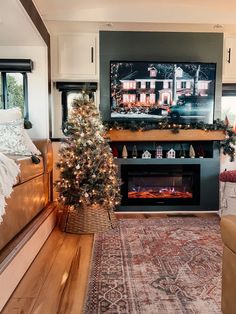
[{"x": 8, "y": 174}]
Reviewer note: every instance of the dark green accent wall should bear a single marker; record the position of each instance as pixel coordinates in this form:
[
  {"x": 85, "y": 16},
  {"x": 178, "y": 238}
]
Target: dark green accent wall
[{"x": 157, "y": 46}]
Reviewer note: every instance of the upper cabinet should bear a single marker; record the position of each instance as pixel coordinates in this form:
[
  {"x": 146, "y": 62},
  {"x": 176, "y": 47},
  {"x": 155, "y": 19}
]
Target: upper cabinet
[
  {"x": 229, "y": 64},
  {"x": 74, "y": 56}
]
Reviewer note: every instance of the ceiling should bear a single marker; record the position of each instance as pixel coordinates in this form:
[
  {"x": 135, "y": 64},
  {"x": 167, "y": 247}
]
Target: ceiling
[
  {"x": 16, "y": 28},
  {"x": 176, "y": 15}
]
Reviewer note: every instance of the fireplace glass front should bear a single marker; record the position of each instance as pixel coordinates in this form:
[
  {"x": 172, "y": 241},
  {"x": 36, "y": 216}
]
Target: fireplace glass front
[{"x": 160, "y": 184}]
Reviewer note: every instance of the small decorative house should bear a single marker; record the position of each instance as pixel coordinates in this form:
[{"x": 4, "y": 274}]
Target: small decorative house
[
  {"x": 159, "y": 152},
  {"x": 146, "y": 155},
  {"x": 153, "y": 71},
  {"x": 170, "y": 153}
]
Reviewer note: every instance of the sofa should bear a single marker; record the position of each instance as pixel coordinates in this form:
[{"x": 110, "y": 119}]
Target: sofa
[
  {"x": 228, "y": 232},
  {"x": 31, "y": 193}
]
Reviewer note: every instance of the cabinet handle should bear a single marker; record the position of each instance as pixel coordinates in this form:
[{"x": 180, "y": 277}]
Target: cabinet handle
[
  {"x": 92, "y": 54},
  {"x": 229, "y": 55}
]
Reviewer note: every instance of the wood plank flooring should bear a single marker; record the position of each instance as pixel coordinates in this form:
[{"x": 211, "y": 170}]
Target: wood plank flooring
[
  {"x": 57, "y": 279},
  {"x": 56, "y": 282}
]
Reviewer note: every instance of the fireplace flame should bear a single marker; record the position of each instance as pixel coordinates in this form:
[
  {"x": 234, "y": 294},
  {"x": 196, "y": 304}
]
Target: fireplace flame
[{"x": 162, "y": 193}]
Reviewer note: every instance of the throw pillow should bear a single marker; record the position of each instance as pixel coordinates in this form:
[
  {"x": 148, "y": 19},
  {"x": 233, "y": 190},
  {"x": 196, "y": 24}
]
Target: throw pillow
[
  {"x": 11, "y": 115},
  {"x": 228, "y": 176},
  {"x": 34, "y": 150},
  {"x": 7, "y": 115},
  {"x": 14, "y": 139}
]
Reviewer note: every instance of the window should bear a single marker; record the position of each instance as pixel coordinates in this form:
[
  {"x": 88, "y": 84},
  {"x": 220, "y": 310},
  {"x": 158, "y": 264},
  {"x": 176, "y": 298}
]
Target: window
[
  {"x": 129, "y": 85},
  {"x": 72, "y": 90},
  {"x": 13, "y": 91},
  {"x": 183, "y": 84},
  {"x": 14, "y": 84}
]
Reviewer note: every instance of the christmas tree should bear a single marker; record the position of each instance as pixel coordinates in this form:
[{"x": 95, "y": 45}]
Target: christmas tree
[
  {"x": 134, "y": 152},
  {"x": 124, "y": 152},
  {"x": 88, "y": 175},
  {"x": 191, "y": 152}
]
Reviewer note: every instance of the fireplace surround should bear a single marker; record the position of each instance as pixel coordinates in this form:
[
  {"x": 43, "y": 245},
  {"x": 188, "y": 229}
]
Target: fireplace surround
[{"x": 205, "y": 190}]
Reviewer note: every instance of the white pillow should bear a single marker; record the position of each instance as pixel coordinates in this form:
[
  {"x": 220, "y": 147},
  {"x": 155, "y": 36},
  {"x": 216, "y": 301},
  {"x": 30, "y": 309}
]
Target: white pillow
[
  {"x": 14, "y": 139},
  {"x": 34, "y": 150},
  {"x": 7, "y": 115}
]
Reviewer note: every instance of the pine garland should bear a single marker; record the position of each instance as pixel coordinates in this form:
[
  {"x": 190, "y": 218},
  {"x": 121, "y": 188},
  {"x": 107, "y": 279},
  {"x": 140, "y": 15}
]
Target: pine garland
[{"x": 227, "y": 144}]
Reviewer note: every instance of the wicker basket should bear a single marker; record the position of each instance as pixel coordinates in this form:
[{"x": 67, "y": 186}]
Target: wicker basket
[{"x": 91, "y": 219}]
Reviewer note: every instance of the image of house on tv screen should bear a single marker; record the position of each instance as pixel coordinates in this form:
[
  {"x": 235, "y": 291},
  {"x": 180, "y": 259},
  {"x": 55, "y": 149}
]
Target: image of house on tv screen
[{"x": 180, "y": 92}]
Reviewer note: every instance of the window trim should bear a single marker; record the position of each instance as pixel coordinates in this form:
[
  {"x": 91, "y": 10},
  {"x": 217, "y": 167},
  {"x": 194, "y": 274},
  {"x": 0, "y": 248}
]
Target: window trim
[{"x": 16, "y": 66}]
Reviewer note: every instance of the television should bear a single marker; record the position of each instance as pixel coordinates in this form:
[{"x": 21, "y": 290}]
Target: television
[{"x": 181, "y": 92}]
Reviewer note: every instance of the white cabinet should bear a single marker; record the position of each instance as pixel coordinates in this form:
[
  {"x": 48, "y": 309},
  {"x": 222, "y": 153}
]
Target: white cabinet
[
  {"x": 229, "y": 64},
  {"x": 77, "y": 56}
]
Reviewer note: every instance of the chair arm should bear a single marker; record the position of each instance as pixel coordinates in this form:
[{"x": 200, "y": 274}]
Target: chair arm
[
  {"x": 228, "y": 231},
  {"x": 45, "y": 147}
]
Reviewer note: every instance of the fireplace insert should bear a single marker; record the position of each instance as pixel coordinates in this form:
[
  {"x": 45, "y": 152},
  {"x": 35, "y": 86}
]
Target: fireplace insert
[{"x": 160, "y": 184}]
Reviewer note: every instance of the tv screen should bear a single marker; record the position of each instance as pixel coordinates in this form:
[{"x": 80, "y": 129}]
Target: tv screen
[{"x": 180, "y": 92}]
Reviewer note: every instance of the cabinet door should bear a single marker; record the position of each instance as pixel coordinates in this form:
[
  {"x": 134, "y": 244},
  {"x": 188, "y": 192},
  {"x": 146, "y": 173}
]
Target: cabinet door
[
  {"x": 77, "y": 55},
  {"x": 230, "y": 60}
]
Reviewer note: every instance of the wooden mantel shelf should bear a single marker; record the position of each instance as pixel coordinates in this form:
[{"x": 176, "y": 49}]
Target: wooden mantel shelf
[{"x": 165, "y": 135}]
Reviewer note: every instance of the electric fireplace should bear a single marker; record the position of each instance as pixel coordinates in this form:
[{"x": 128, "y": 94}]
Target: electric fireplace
[{"x": 160, "y": 184}]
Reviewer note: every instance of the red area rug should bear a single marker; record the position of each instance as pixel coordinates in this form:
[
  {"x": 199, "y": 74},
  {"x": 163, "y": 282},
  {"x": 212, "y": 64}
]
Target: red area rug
[{"x": 157, "y": 266}]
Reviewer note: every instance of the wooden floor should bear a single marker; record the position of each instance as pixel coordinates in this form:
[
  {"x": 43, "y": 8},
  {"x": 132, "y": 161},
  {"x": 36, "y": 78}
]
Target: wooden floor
[
  {"x": 56, "y": 282},
  {"x": 57, "y": 279}
]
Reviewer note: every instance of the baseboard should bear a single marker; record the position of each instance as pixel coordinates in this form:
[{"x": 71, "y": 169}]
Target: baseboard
[{"x": 15, "y": 264}]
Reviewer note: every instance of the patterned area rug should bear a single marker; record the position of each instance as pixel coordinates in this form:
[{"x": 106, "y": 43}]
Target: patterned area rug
[{"x": 157, "y": 266}]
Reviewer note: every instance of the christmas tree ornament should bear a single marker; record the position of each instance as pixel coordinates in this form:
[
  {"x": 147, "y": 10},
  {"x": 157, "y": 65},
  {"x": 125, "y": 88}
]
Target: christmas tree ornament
[
  {"x": 124, "y": 152},
  {"x": 191, "y": 152},
  {"x": 88, "y": 187},
  {"x": 134, "y": 152}
]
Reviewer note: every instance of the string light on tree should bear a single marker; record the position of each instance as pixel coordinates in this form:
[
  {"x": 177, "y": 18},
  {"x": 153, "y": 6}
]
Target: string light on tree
[{"x": 88, "y": 175}]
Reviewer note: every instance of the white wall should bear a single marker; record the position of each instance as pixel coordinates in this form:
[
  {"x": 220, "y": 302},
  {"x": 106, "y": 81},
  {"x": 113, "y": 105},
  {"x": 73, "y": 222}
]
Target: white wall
[{"x": 37, "y": 85}]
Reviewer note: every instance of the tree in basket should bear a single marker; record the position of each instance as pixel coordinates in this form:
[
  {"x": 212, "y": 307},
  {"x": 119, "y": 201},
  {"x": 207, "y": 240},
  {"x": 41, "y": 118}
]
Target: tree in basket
[{"x": 88, "y": 186}]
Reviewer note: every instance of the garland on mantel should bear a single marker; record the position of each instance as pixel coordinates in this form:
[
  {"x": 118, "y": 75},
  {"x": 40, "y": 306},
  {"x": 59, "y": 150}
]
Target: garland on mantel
[{"x": 217, "y": 125}]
